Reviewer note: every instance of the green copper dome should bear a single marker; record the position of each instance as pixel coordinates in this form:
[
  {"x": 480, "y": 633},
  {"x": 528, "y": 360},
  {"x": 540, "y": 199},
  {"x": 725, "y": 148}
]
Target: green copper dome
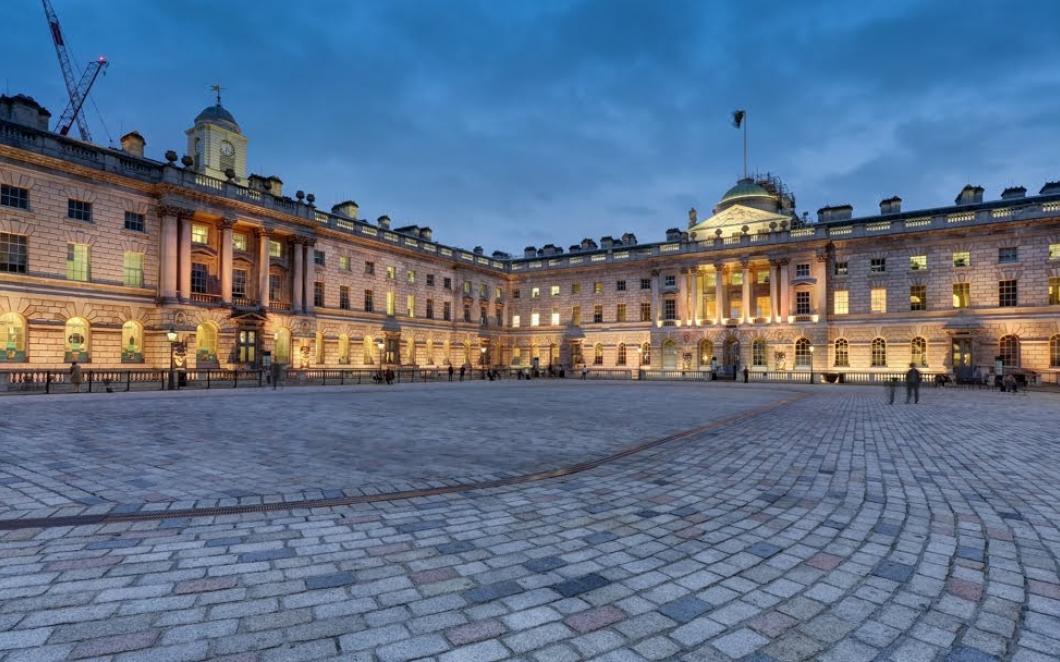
[{"x": 745, "y": 188}]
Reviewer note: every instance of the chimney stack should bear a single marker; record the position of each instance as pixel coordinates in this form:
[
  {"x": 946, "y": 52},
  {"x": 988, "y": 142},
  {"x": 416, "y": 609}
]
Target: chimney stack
[
  {"x": 1050, "y": 188},
  {"x": 275, "y": 185},
  {"x": 530, "y": 251},
  {"x": 133, "y": 143},
  {"x": 969, "y": 195},
  {"x": 1014, "y": 192},
  {"x": 835, "y": 213},
  {"x": 892, "y": 205},
  {"x": 383, "y": 221},
  {"x": 346, "y": 208},
  {"x": 24, "y": 110}
]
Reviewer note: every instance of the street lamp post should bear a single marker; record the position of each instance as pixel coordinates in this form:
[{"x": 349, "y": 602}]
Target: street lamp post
[
  {"x": 171, "y": 336},
  {"x": 640, "y": 361},
  {"x": 811, "y": 363},
  {"x": 482, "y": 360},
  {"x": 380, "y": 345}
]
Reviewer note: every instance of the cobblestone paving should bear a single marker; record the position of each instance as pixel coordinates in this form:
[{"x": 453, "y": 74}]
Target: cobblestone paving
[{"x": 834, "y": 528}]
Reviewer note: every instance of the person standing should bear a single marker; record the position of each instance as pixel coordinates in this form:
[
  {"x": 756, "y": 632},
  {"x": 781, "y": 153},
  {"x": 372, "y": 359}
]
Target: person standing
[
  {"x": 912, "y": 384},
  {"x": 450, "y": 372},
  {"x": 76, "y": 376},
  {"x": 461, "y": 373},
  {"x": 892, "y": 386},
  {"x": 746, "y": 374}
]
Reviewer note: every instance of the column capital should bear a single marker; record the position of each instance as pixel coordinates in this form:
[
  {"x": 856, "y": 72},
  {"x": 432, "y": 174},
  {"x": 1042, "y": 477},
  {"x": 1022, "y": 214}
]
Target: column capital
[
  {"x": 745, "y": 263},
  {"x": 264, "y": 231},
  {"x": 226, "y": 223},
  {"x": 784, "y": 261},
  {"x": 822, "y": 257},
  {"x": 175, "y": 210},
  {"x": 720, "y": 267}
]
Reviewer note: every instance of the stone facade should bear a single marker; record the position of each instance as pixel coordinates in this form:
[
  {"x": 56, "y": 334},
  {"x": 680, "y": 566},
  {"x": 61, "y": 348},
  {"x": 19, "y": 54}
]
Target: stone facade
[{"x": 102, "y": 252}]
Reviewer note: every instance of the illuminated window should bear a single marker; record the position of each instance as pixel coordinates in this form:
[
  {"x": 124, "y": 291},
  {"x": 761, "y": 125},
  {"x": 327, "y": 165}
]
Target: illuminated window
[
  {"x": 620, "y": 357},
  {"x": 762, "y": 277},
  {"x": 736, "y": 278},
  {"x": 918, "y": 262},
  {"x": 78, "y": 340},
  {"x": 200, "y": 233},
  {"x": 1054, "y": 290},
  {"x": 1054, "y": 251},
  {"x": 706, "y": 352},
  {"x": 77, "y": 262},
  {"x": 553, "y": 290},
  {"x": 962, "y": 258},
  {"x": 918, "y": 352},
  {"x": 391, "y": 273},
  {"x": 239, "y": 241},
  {"x": 1008, "y": 350},
  {"x": 1007, "y": 293},
  {"x": 841, "y": 302},
  {"x": 803, "y": 354},
  {"x": 535, "y": 319},
  {"x": 879, "y": 353},
  {"x": 555, "y": 318},
  {"x": 515, "y": 321},
  {"x": 132, "y": 349},
  {"x": 918, "y": 297},
  {"x": 598, "y": 288},
  {"x": 842, "y": 353},
  {"x": 12, "y": 338},
  {"x": 598, "y": 354},
  {"x": 133, "y": 269},
  {"x": 390, "y": 304},
  {"x": 368, "y": 303},
  {"x": 535, "y": 292},
  {"x": 758, "y": 353},
  {"x": 344, "y": 349},
  {"x": 878, "y": 299},
  {"x": 620, "y": 312},
  {"x": 961, "y": 295},
  {"x": 841, "y": 268},
  {"x": 344, "y": 263},
  {"x": 645, "y": 354},
  {"x": 410, "y": 276},
  {"x": 410, "y": 305},
  {"x": 576, "y": 315},
  {"x": 878, "y": 265},
  {"x": 645, "y": 312},
  {"x": 275, "y": 248}
]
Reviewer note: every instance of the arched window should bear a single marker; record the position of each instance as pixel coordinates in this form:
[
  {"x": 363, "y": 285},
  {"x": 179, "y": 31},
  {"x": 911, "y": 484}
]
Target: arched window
[
  {"x": 281, "y": 351},
  {"x": 879, "y": 353},
  {"x": 1054, "y": 351},
  {"x": 842, "y": 353},
  {"x": 430, "y": 351},
  {"x": 132, "y": 342},
  {"x": 368, "y": 349},
  {"x": 803, "y": 355},
  {"x": 12, "y": 338},
  {"x": 598, "y": 354},
  {"x": 517, "y": 355},
  {"x": 205, "y": 343},
  {"x": 78, "y": 340},
  {"x": 706, "y": 352},
  {"x": 918, "y": 352},
  {"x": 758, "y": 353},
  {"x": 319, "y": 347},
  {"x": 621, "y": 358},
  {"x": 645, "y": 355},
  {"x": 669, "y": 354},
  {"x": 344, "y": 349},
  {"x": 1009, "y": 350}
]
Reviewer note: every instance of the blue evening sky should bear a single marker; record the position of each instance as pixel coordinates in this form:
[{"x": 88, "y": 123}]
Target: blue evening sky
[{"x": 514, "y": 122}]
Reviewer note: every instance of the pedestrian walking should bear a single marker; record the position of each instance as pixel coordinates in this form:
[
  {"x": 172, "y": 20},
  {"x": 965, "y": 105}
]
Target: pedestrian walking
[
  {"x": 912, "y": 384},
  {"x": 892, "y": 386},
  {"x": 76, "y": 376},
  {"x": 450, "y": 372},
  {"x": 461, "y": 373},
  {"x": 746, "y": 374}
]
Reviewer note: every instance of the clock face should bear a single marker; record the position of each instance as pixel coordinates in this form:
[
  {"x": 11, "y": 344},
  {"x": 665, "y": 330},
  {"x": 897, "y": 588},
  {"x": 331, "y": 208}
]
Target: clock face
[{"x": 227, "y": 149}]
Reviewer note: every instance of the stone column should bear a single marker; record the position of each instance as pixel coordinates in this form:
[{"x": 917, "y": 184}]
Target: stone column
[
  {"x": 656, "y": 303},
  {"x": 184, "y": 278},
  {"x": 820, "y": 289},
  {"x": 720, "y": 312},
  {"x": 310, "y": 274},
  {"x": 298, "y": 285},
  {"x": 748, "y": 312},
  {"x": 168, "y": 255},
  {"x": 785, "y": 289},
  {"x": 263, "y": 267},
  {"x": 682, "y": 296},
  {"x": 226, "y": 260},
  {"x": 697, "y": 296},
  {"x": 774, "y": 290}
]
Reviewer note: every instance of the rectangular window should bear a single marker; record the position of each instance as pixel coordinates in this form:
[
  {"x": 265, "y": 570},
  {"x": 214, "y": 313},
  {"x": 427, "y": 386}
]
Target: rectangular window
[
  {"x": 318, "y": 294},
  {"x": 430, "y": 280},
  {"x": 239, "y": 241},
  {"x": 961, "y": 295},
  {"x": 77, "y": 262},
  {"x": 200, "y": 233},
  {"x": 737, "y": 277},
  {"x": 318, "y": 258},
  {"x": 344, "y": 263},
  {"x": 620, "y": 312},
  {"x": 447, "y": 283},
  {"x": 645, "y": 312},
  {"x": 429, "y": 313},
  {"x": 134, "y": 221},
  {"x": 410, "y": 305},
  {"x": 344, "y": 297},
  {"x": 467, "y": 287},
  {"x": 762, "y": 277},
  {"x": 1054, "y": 251},
  {"x": 645, "y": 283},
  {"x": 598, "y": 314},
  {"x": 499, "y": 314},
  {"x": 498, "y": 293},
  {"x": 840, "y": 302},
  {"x": 277, "y": 292},
  {"x": 918, "y": 297},
  {"x": 802, "y": 303},
  {"x": 620, "y": 286},
  {"x": 575, "y": 288},
  {"x": 275, "y": 248},
  {"x": 447, "y": 311},
  {"x": 133, "y": 269},
  {"x": 14, "y": 253},
  {"x": 515, "y": 321},
  {"x": 369, "y": 268},
  {"x": 670, "y": 310},
  {"x": 598, "y": 287},
  {"x": 669, "y": 280},
  {"x": 239, "y": 283},
  {"x": 483, "y": 315},
  {"x": 13, "y": 196},
  {"x": 483, "y": 291},
  {"x": 1008, "y": 255},
  {"x": 840, "y": 268},
  {"x": 467, "y": 313},
  {"x": 368, "y": 304},
  {"x": 555, "y": 318},
  {"x": 576, "y": 315},
  {"x": 391, "y": 304},
  {"x": 802, "y": 271},
  {"x": 878, "y": 265},
  {"x": 79, "y": 210},
  {"x": 535, "y": 292},
  {"x": 917, "y": 262},
  {"x": 515, "y": 293},
  {"x": 391, "y": 273},
  {"x": 878, "y": 299},
  {"x": 962, "y": 258},
  {"x": 553, "y": 290},
  {"x": 410, "y": 277},
  {"x": 200, "y": 278},
  {"x": 1007, "y": 294},
  {"x": 535, "y": 319},
  {"x": 1054, "y": 290}
]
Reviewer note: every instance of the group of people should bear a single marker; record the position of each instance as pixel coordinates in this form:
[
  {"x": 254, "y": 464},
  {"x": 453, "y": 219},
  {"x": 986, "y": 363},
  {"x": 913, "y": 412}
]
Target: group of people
[{"x": 912, "y": 386}]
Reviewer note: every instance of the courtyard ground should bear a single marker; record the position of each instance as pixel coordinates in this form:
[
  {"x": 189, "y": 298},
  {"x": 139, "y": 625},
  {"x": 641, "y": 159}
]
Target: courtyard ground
[{"x": 534, "y": 520}]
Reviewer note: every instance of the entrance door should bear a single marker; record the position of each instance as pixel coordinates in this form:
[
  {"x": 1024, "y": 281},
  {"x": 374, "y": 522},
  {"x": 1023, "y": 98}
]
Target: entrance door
[
  {"x": 963, "y": 360},
  {"x": 247, "y": 346},
  {"x": 731, "y": 356}
]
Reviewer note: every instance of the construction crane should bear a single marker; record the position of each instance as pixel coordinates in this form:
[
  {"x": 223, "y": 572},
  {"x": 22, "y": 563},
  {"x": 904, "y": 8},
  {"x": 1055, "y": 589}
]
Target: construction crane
[{"x": 78, "y": 91}]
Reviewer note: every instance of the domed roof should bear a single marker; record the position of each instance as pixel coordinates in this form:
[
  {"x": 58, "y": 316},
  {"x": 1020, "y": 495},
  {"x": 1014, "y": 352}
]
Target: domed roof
[
  {"x": 745, "y": 188},
  {"x": 217, "y": 114}
]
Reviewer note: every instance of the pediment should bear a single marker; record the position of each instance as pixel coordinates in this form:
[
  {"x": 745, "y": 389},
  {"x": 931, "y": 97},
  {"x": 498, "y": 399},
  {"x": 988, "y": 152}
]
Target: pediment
[{"x": 738, "y": 215}]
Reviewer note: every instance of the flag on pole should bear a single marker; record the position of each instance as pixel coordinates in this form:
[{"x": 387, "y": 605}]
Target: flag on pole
[{"x": 737, "y": 118}]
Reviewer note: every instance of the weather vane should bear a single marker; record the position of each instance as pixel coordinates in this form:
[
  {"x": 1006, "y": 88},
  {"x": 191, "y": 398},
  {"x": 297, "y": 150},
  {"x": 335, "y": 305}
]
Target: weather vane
[{"x": 216, "y": 87}]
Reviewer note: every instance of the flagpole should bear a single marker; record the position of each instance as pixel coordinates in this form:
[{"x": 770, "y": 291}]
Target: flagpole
[{"x": 745, "y": 146}]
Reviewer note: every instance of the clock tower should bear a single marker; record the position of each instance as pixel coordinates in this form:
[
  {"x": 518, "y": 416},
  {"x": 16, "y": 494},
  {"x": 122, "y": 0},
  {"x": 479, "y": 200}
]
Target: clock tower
[{"x": 217, "y": 143}]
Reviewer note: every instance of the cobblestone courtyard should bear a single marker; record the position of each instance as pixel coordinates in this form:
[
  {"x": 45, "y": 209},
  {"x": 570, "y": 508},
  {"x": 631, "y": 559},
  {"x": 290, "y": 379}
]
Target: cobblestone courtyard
[{"x": 774, "y": 524}]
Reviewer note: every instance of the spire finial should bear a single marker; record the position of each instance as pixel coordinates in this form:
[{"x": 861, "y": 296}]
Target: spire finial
[{"x": 216, "y": 87}]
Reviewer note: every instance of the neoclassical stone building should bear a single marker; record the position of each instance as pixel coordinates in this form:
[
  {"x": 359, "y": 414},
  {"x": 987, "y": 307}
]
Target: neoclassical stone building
[{"x": 103, "y": 251}]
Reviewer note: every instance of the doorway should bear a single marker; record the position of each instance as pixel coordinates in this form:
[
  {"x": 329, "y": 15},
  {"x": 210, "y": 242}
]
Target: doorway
[{"x": 247, "y": 346}]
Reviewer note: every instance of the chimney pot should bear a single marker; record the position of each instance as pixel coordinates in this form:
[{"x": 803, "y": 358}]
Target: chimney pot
[{"x": 133, "y": 143}]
